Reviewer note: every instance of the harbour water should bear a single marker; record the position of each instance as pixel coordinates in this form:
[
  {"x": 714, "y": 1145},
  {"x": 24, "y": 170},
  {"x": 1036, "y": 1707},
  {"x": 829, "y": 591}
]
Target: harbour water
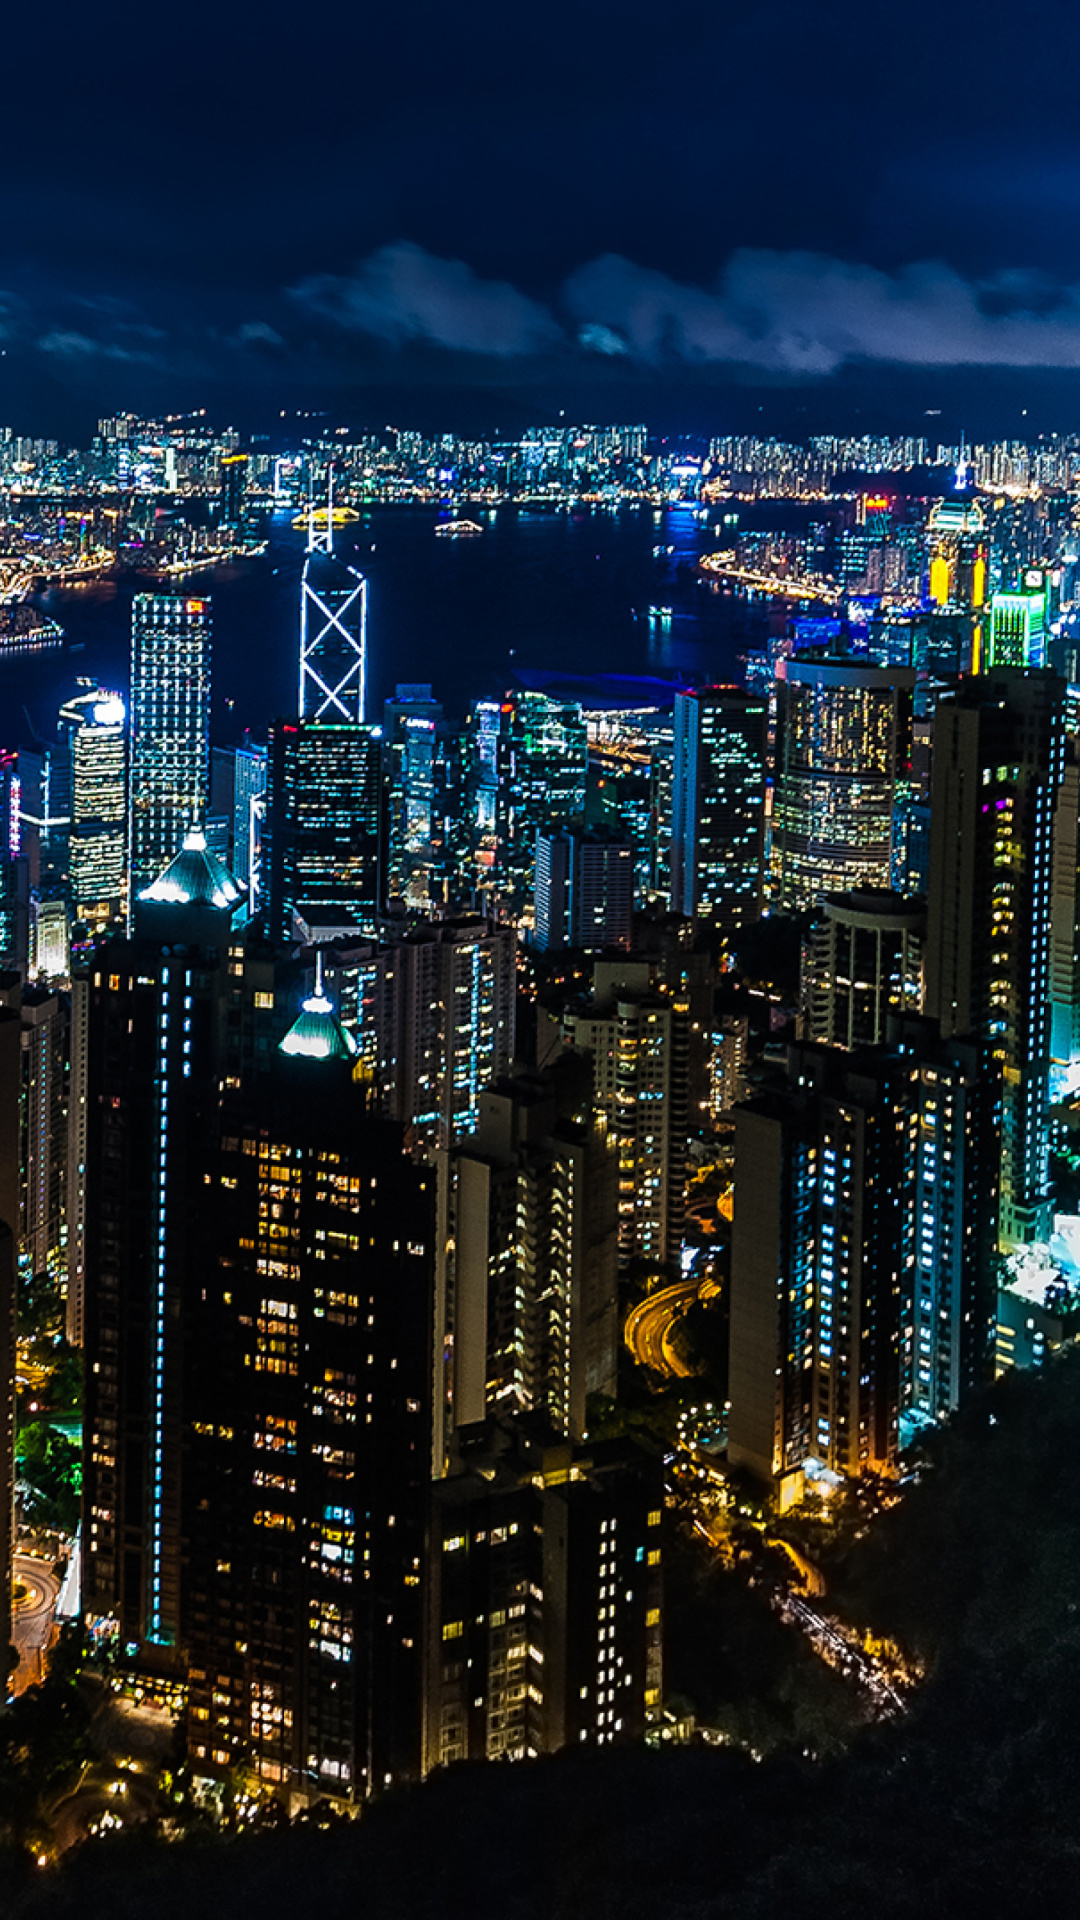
[{"x": 539, "y": 595}]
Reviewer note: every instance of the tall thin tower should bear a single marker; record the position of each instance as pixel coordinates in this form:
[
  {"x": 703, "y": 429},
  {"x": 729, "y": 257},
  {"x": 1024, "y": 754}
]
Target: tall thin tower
[
  {"x": 169, "y": 760},
  {"x": 333, "y": 630}
]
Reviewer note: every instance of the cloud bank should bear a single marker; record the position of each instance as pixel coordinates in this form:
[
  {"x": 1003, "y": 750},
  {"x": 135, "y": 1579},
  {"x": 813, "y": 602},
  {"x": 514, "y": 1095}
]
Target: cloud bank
[{"x": 799, "y": 314}]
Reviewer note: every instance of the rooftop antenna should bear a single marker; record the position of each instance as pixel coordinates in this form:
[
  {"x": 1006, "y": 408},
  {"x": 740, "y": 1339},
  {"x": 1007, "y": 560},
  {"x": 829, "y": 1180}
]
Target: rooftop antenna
[{"x": 330, "y": 508}]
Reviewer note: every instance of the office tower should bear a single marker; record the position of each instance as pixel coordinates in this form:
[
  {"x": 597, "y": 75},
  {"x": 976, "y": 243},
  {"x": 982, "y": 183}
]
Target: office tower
[
  {"x": 324, "y": 837},
  {"x": 95, "y": 723},
  {"x": 44, "y": 809},
  {"x": 1018, "y": 635},
  {"x": 14, "y": 911},
  {"x": 718, "y": 806},
  {"x": 862, "y": 964},
  {"x": 432, "y": 1010},
  {"x": 637, "y": 1037},
  {"x": 333, "y": 636},
  {"x": 427, "y": 803},
  {"x": 169, "y": 757},
  {"x": 525, "y": 1317},
  {"x": 863, "y": 1252},
  {"x": 50, "y": 940},
  {"x": 41, "y": 1227},
  {"x": 843, "y": 758},
  {"x": 998, "y": 763},
  {"x": 153, "y": 1043},
  {"x": 249, "y": 808},
  {"x": 10, "y": 1089},
  {"x": 956, "y": 550},
  {"x": 584, "y": 890},
  {"x": 528, "y": 764},
  {"x": 309, "y": 1433},
  {"x": 232, "y": 501},
  {"x": 545, "y": 1615}
]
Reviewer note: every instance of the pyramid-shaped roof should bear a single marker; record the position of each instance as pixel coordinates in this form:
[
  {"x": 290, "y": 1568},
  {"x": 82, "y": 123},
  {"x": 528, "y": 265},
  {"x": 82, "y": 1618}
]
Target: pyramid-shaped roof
[{"x": 195, "y": 877}]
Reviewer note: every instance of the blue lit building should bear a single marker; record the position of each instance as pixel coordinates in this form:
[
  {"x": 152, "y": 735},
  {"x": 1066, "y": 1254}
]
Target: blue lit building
[
  {"x": 527, "y": 772},
  {"x": 718, "y": 806},
  {"x": 324, "y": 838},
  {"x": 152, "y": 1036},
  {"x": 999, "y": 759}
]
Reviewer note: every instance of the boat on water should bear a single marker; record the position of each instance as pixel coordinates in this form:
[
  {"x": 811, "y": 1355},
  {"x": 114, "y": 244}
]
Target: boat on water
[
  {"x": 458, "y": 529},
  {"x": 23, "y": 629}
]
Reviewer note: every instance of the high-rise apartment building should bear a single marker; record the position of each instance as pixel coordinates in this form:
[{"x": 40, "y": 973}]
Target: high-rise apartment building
[
  {"x": 843, "y": 758},
  {"x": 718, "y": 806},
  {"x": 863, "y": 1252},
  {"x": 862, "y": 965},
  {"x": 998, "y": 765},
  {"x": 41, "y": 1228},
  {"x": 432, "y": 1010},
  {"x": 527, "y": 1259},
  {"x": 638, "y": 1039},
  {"x": 324, "y": 838},
  {"x": 545, "y": 1609},
  {"x": 169, "y": 757},
  {"x": 584, "y": 889}
]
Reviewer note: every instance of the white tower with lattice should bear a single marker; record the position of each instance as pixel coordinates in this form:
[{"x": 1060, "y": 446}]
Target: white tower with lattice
[{"x": 333, "y": 630}]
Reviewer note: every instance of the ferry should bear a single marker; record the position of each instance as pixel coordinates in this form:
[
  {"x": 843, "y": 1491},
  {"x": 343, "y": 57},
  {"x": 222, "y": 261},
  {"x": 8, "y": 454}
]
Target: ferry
[
  {"x": 458, "y": 529},
  {"x": 24, "y": 630}
]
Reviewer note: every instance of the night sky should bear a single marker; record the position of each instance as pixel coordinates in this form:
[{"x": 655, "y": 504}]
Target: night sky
[{"x": 713, "y": 213}]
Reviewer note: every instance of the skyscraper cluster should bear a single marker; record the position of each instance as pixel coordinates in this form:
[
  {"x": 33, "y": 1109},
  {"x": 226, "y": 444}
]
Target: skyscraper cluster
[{"x": 354, "y": 1082}]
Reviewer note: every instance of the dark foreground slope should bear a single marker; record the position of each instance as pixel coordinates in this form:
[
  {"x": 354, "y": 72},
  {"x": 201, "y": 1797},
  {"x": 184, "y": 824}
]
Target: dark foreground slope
[{"x": 971, "y": 1806}]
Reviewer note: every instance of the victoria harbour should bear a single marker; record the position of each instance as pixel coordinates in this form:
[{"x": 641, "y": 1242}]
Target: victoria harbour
[{"x": 553, "y": 595}]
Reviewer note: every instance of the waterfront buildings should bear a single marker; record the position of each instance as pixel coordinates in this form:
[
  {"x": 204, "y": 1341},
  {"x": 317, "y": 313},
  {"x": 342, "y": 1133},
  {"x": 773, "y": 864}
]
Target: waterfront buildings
[{"x": 169, "y": 759}]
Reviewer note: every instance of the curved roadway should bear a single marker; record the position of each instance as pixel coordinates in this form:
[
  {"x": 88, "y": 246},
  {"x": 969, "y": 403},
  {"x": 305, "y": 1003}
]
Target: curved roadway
[{"x": 649, "y": 1327}]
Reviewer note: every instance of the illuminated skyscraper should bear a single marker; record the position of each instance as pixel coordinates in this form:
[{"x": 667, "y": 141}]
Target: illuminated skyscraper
[
  {"x": 843, "y": 759},
  {"x": 527, "y": 773},
  {"x": 638, "y": 1038},
  {"x": 864, "y": 1242},
  {"x": 998, "y": 763},
  {"x": 957, "y": 554},
  {"x": 333, "y": 636},
  {"x": 527, "y": 1263},
  {"x": 718, "y": 806},
  {"x": 96, "y": 725},
  {"x": 169, "y": 761},
  {"x": 1018, "y": 634},
  {"x": 324, "y": 842},
  {"x": 584, "y": 888}
]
